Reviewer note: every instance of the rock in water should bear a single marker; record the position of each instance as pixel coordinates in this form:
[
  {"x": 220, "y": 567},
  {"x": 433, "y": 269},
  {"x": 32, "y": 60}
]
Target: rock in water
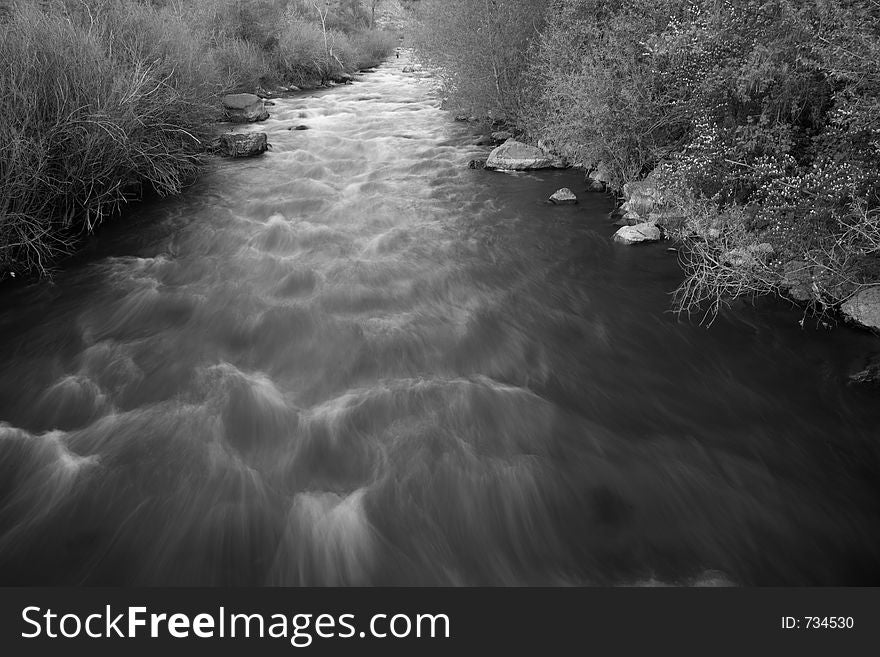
[
  {"x": 243, "y": 144},
  {"x": 244, "y": 108},
  {"x": 564, "y": 196},
  {"x": 646, "y": 232},
  {"x": 597, "y": 179},
  {"x": 477, "y": 164},
  {"x": 501, "y": 136},
  {"x": 513, "y": 155},
  {"x": 863, "y": 308}
]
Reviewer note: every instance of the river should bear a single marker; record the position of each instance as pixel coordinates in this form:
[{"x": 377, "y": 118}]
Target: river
[{"x": 355, "y": 361}]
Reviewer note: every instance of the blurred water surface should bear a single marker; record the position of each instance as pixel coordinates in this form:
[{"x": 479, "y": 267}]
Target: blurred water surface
[{"x": 354, "y": 361}]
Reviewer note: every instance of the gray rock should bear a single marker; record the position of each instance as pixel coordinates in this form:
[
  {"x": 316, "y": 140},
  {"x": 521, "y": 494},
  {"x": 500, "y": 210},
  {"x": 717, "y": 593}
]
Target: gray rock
[
  {"x": 501, "y": 136},
  {"x": 863, "y": 308},
  {"x": 513, "y": 155},
  {"x": 244, "y": 108},
  {"x": 484, "y": 140},
  {"x": 299, "y": 127},
  {"x": 598, "y": 179},
  {"x": 593, "y": 185},
  {"x": 243, "y": 144},
  {"x": 477, "y": 164},
  {"x": 564, "y": 196},
  {"x": 646, "y": 232}
]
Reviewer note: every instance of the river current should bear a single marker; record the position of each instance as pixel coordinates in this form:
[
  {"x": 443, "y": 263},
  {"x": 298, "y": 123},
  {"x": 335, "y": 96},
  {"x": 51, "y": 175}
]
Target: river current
[{"x": 355, "y": 361}]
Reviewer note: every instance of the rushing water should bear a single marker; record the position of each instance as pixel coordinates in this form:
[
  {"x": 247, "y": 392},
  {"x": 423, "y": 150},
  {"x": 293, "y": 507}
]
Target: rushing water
[{"x": 355, "y": 361}]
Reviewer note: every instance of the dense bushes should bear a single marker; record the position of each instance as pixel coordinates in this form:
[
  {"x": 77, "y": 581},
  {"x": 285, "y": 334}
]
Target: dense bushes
[
  {"x": 89, "y": 117},
  {"x": 103, "y": 99},
  {"x": 482, "y": 47},
  {"x": 760, "y": 117}
]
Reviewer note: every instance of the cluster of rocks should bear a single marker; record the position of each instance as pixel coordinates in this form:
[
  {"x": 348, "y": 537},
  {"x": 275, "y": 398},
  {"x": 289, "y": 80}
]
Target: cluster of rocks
[
  {"x": 645, "y": 209},
  {"x": 242, "y": 108}
]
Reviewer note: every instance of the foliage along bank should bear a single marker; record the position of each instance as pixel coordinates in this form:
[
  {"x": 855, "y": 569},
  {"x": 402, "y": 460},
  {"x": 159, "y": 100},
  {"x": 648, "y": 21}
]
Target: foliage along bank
[
  {"x": 753, "y": 124},
  {"x": 106, "y": 99}
]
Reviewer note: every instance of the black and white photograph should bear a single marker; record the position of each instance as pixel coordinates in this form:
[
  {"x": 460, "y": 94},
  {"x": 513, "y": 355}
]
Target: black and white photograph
[{"x": 439, "y": 294}]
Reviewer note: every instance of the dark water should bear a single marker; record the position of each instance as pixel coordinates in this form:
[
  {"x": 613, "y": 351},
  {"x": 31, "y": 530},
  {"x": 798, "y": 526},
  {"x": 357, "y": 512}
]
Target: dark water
[{"x": 356, "y": 361}]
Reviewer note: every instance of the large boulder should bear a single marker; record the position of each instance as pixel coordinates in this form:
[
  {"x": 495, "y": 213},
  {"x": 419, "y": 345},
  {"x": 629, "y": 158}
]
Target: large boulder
[
  {"x": 863, "y": 308},
  {"x": 244, "y": 108},
  {"x": 647, "y": 201},
  {"x": 646, "y": 232},
  {"x": 243, "y": 144},
  {"x": 564, "y": 196},
  {"x": 513, "y": 155}
]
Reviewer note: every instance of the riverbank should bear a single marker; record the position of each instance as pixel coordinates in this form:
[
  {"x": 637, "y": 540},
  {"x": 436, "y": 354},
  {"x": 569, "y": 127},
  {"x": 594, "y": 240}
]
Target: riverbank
[
  {"x": 106, "y": 102},
  {"x": 750, "y": 130}
]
